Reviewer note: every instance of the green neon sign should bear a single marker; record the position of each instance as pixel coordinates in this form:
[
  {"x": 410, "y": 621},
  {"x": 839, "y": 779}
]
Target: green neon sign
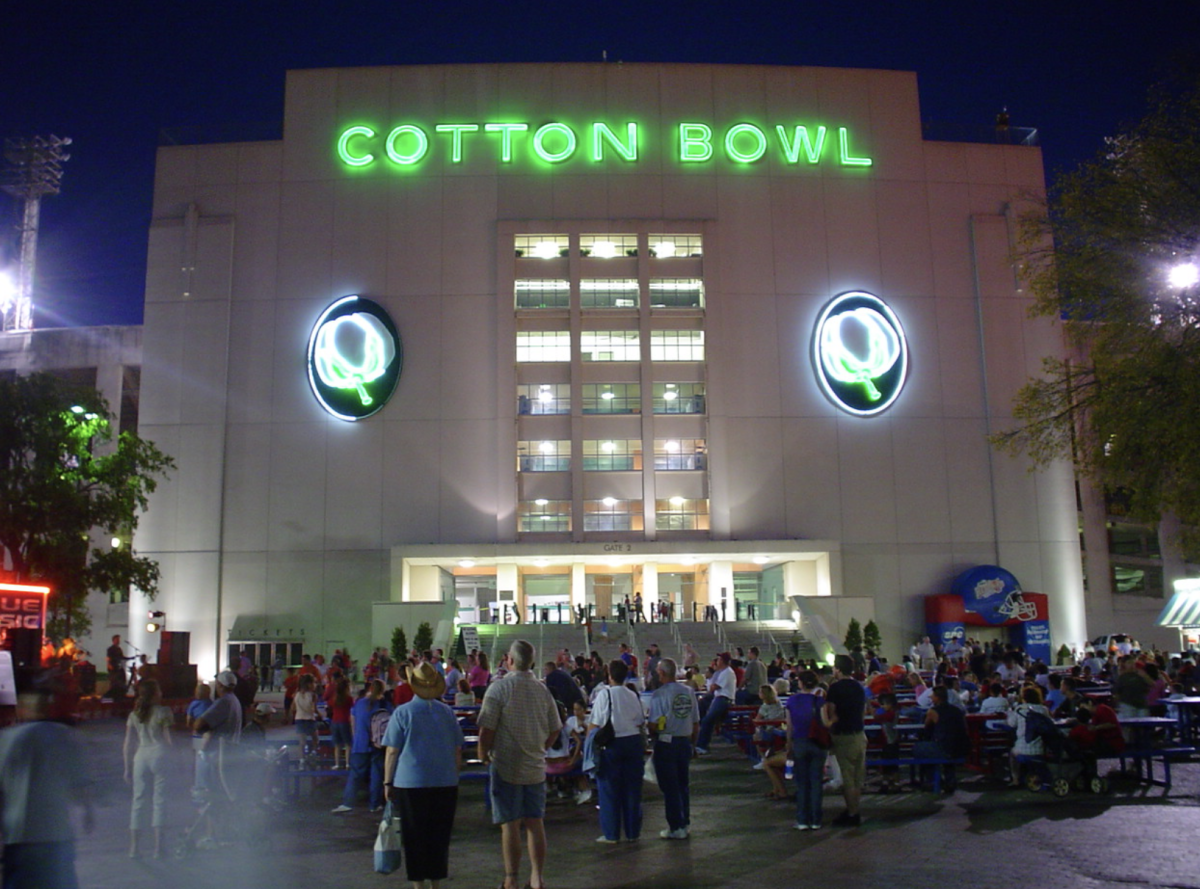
[
  {"x": 354, "y": 358},
  {"x": 556, "y": 142},
  {"x": 860, "y": 353}
]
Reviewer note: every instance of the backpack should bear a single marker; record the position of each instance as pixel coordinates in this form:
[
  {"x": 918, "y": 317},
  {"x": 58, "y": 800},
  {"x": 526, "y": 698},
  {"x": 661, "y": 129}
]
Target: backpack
[{"x": 379, "y": 723}]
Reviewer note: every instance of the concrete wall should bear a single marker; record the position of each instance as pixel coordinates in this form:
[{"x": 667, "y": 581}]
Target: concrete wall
[{"x": 277, "y": 504}]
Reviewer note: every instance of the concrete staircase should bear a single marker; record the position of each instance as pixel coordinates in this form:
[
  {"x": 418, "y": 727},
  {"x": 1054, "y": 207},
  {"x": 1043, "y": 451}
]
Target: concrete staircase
[{"x": 771, "y": 636}]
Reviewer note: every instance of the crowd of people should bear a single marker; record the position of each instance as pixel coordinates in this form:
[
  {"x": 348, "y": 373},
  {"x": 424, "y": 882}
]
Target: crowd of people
[{"x": 575, "y": 721}]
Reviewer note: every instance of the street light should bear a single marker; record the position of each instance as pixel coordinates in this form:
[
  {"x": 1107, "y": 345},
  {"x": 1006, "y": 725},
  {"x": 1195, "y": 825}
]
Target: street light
[{"x": 1184, "y": 275}]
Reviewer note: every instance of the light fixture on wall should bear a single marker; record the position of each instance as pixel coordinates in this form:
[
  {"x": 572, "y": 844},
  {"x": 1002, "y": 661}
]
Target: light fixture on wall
[{"x": 158, "y": 620}]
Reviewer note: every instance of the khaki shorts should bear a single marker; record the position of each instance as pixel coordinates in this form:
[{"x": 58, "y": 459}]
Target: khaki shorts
[{"x": 851, "y": 754}]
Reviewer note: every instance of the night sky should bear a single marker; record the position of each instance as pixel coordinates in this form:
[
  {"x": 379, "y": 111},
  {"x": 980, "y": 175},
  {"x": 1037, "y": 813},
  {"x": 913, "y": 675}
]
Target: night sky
[{"x": 113, "y": 75}]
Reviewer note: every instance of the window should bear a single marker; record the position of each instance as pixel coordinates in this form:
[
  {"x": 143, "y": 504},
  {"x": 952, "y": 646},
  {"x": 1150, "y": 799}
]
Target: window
[
  {"x": 677, "y": 293},
  {"x": 1133, "y": 579},
  {"x": 681, "y": 514},
  {"x": 608, "y": 246},
  {"x": 612, "y": 455},
  {"x": 612, "y": 398},
  {"x": 608, "y": 293},
  {"x": 677, "y": 345},
  {"x": 542, "y": 293},
  {"x": 544, "y": 515},
  {"x": 542, "y": 246},
  {"x": 611, "y": 514},
  {"x": 680, "y": 453},
  {"x": 679, "y": 398},
  {"x": 539, "y": 399},
  {"x": 611, "y": 345},
  {"x": 543, "y": 345},
  {"x": 676, "y": 246},
  {"x": 543, "y": 456}
]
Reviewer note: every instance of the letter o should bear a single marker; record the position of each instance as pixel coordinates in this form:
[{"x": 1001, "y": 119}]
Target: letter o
[
  {"x": 422, "y": 146},
  {"x": 735, "y": 153},
  {"x": 554, "y": 157}
]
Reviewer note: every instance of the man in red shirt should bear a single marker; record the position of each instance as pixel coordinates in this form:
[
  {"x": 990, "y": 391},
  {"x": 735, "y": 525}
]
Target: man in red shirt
[{"x": 1102, "y": 735}]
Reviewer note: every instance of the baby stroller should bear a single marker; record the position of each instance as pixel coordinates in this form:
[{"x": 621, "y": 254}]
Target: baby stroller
[
  {"x": 239, "y": 801},
  {"x": 1062, "y": 764}
]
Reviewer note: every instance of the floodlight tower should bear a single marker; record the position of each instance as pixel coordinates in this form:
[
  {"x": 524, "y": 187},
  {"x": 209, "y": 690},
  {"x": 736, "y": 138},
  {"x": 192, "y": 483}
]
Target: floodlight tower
[{"x": 32, "y": 168}]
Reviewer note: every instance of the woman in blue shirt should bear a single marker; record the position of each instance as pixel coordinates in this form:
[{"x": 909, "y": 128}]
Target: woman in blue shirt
[{"x": 424, "y": 754}]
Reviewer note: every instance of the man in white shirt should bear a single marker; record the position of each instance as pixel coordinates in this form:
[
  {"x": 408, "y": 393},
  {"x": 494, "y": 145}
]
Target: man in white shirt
[
  {"x": 723, "y": 686},
  {"x": 927, "y": 654}
]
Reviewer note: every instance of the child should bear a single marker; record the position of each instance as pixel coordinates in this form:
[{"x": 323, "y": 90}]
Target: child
[
  {"x": 886, "y": 717},
  {"x": 576, "y": 729},
  {"x": 304, "y": 713},
  {"x": 195, "y": 710}
]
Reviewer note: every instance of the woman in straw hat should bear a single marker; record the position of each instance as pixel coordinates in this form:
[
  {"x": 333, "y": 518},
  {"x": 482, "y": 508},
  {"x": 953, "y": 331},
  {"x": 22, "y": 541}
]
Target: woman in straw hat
[{"x": 424, "y": 754}]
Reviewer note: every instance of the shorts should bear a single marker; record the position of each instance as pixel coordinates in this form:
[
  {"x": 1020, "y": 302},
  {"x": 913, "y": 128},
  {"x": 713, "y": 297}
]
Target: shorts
[
  {"x": 512, "y": 802},
  {"x": 851, "y": 754},
  {"x": 305, "y": 727},
  {"x": 340, "y": 734}
]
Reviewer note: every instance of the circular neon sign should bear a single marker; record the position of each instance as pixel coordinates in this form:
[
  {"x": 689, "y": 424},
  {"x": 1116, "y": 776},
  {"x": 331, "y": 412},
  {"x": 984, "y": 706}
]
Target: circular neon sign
[
  {"x": 860, "y": 353},
  {"x": 354, "y": 358}
]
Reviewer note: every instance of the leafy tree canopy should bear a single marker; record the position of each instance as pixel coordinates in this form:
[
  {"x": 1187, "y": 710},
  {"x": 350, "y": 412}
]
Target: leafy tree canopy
[
  {"x": 1099, "y": 256},
  {"x": 64, "y": 480}
]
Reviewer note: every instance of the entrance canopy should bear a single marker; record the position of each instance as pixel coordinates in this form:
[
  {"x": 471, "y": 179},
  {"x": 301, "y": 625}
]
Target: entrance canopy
[
  {"x": 690, "y": 575},
  {"x": 1183, "y": 610}
]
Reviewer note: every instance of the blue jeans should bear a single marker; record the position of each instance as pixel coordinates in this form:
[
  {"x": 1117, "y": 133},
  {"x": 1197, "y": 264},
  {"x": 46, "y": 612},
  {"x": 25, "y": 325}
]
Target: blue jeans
[
  {"x": 716, "y": 712},
  {"x": 809, "y": 771},
  {"x": 619, "y": 780},
  {"x": 671, "y": 766},
  {"x": 365, "y": 767}
]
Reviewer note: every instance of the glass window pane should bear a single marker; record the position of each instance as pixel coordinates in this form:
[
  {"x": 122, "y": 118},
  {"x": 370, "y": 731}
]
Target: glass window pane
[
  {"x": 538, "y": 399},
  {"x": 544, "y": 456},
  {"x": 542, "y": 293},
  {"x": 670, "y": 246},
  {"x": 608, "y": 246},
  {"x": 677, "y": 345},
  {"x": 541, "y": 246},
  {"x": 610, "y": 345},
  {"x": 677, "y": 293},
  {"x": 608, "y": 293},
  {"x": 543, "y": 345},
  {"x": 611, "y": 398},
  {"x": 679, "y": 398},
  {"x": 680, "y": 453},
  {"x": 615, "y": 455}
]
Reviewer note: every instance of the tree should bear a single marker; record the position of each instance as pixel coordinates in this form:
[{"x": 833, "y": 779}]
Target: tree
[
  {"x": 423, "y": 638},
  {"x": 854, "y": 637},
  {"x": 1113, "y": 255},
  {"x": 871, "y": 638},
  {"x": 63, "y": 480},
  {"x": 399, "y": 645}
]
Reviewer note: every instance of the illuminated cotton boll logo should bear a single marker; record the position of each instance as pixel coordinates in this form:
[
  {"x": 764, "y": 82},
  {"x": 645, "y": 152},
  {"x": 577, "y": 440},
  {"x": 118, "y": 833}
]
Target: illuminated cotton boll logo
[
  {"x": 354, "y": 358},
  {"x": 860, "y": 353}
]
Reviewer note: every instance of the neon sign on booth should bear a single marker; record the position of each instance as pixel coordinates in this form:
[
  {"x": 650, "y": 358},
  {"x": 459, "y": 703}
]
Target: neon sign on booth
[
  {"x": 354, "y": 358},
  {"x": 408, "y": 144},
  {"x": 860, "y": 353}
]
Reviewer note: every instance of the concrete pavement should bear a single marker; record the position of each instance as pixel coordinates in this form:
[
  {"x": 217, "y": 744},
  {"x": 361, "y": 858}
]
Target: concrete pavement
[{"x": 984, "y": 834}]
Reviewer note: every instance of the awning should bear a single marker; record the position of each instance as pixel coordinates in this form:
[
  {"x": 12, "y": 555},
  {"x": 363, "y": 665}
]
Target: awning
[{"x": 1182, "y": 611}]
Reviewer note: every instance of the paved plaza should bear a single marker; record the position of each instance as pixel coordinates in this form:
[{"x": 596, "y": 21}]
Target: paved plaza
[{"x": 984, "y": 834}]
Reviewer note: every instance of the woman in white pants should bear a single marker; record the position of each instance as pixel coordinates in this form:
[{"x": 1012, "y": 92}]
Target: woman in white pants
[{"x": 147, "y": 737}]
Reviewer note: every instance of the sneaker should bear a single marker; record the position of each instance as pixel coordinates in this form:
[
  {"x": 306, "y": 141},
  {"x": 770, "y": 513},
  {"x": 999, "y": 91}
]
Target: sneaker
[
  {"x": 800, "y": 826},
  {"x": 340, "y": 810},
  {"x": 847, "y": 820},
  {"x": 376, "y": 809},
  {"x": 702, "y": 751},
  {"x": 606, "y": 840},
  {"x": 583, "y": 796},
  {"x": 760, "y": 764},
  {"x": 680, "y": 834},
  {"x": 816, "y": 826}
]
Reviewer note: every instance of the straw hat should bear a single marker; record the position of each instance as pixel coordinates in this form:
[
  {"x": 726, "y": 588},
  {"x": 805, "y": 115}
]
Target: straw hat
[{"x": 427, "y": 682}]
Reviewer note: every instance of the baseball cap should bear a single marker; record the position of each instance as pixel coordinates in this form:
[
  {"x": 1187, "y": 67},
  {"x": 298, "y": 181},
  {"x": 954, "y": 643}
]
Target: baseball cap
[
  {"x": 264, "y": 709},
  {"x": 227, "y": 678}
]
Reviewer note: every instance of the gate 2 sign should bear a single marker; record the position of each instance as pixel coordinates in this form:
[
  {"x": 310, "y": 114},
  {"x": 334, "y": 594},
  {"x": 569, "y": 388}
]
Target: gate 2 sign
[
  {"x": 860, "y": 353},
  {"x": 354, "y": 358}
]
